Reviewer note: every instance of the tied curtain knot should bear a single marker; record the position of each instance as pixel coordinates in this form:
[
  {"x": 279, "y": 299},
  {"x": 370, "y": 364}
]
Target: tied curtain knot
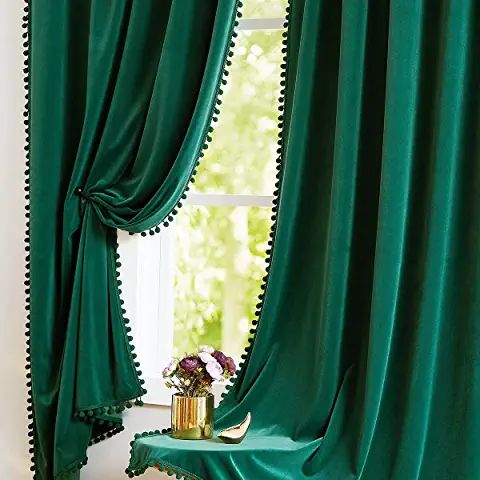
[{"x": 84, "y": 197}]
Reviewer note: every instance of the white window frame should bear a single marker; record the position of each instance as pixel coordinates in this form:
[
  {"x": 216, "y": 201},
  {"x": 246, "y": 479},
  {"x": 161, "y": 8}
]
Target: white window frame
[{"x": 148, "y": 263}]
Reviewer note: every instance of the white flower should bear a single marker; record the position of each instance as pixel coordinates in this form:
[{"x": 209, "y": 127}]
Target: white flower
[
  {"x": 205, "y": 357},
  {"x": 206, "y": 348},
  {"x": 214, "y": 369},
  {"x": 170, "y": 368}
]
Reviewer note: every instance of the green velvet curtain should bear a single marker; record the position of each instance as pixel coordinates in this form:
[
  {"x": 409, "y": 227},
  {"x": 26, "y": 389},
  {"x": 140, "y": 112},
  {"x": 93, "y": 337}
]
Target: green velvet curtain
[
  {"x": 366, "y": 361},
  {"x": 122, "y": 96}
]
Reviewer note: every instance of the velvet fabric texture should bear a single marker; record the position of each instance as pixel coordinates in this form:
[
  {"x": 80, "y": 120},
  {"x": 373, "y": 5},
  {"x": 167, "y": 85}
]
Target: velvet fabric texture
[
  {"x": 122, "y": 96},
  {"x": 365, "y": 363}
]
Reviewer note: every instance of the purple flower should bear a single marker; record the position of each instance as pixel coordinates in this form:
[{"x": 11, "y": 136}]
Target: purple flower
[
  {"x": 190, "y": 364},
  {"x": 230, "y": 365},
  {"x": 220, "y": 357}
]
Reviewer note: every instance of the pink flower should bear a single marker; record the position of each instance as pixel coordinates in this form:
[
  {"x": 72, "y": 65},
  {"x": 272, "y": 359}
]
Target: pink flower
[
  {"x": 206, "y": 348},
  {"x": 170, "y": 368},
  {"x": 215, "y": 370},
  {"x": 206, "y": 357}
]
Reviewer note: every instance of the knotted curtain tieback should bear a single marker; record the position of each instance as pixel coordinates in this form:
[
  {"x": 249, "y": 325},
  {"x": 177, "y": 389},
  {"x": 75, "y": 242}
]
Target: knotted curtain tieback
[
  {"x": 84, "y": 198},
  {"x": 79, "y": 191}
]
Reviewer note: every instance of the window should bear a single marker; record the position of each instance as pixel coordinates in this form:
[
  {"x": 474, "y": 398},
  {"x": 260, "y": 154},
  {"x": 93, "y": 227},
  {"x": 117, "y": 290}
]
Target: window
[{"x": 198, "y": 281}]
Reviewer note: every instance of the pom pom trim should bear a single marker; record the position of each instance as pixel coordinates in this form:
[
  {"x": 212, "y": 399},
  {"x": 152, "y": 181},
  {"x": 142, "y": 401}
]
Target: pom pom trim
[
  {"x": 163, "y": 466},
  {"x": 229, "y": 389},
  {"x": 31, "y": 433},
  {"x": 207, "y": 138}
]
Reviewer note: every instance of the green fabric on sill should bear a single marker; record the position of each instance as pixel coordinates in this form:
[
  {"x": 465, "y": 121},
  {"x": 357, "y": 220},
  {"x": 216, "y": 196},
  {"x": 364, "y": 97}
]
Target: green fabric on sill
[
  {"x": 122, "y": 95},
  {"x": 366, "y": 361},
  {"x": 214, "y": 460}
]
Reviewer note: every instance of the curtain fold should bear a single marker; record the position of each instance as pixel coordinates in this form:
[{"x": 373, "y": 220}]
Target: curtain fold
[
  {"x": 122, "y": 96},
  {"x": 365, "y": 360}
]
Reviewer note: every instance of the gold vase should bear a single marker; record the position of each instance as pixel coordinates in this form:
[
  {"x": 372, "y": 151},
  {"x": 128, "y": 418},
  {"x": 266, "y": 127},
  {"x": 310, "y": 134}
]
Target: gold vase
[{"x": 192, "y": 417}]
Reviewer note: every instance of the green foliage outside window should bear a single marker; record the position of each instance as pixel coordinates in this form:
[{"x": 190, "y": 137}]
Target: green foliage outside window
[
  {"x": 264, "y": 8},
  {"x": 220, "y": 251}
]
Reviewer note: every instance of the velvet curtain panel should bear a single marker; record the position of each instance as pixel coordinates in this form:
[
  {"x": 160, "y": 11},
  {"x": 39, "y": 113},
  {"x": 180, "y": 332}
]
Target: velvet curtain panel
[
  {"x": 365, "y": 363},
  {"x": 370, "y": 330},
  {"x": 122, "y": 95}
]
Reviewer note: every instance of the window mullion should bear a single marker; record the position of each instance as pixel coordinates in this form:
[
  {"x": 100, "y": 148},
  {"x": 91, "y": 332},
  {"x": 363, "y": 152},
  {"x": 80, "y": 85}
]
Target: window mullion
[
  {"x": 229, "y": 200},
  {"x": 261, "y": 24}
]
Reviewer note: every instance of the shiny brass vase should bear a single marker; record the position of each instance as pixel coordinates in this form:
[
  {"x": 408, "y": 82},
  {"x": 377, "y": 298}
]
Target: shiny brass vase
[{"x": 192, "y": 417}]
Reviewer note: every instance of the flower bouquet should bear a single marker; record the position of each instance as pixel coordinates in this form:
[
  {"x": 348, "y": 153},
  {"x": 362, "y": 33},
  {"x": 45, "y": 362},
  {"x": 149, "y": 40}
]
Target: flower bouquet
[{"x": 192, "y": 377}]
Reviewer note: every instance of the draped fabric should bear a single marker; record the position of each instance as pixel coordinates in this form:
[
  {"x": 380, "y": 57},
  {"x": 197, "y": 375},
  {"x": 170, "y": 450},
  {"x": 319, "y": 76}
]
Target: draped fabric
[
  {"x": 365, "y": 363},
  {"x": 122, "y": 95}
]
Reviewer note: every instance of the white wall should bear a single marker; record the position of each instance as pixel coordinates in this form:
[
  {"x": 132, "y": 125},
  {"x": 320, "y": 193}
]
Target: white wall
[
  {"x": 14, "y": 461},
  {"x": 107, "y": 460}
]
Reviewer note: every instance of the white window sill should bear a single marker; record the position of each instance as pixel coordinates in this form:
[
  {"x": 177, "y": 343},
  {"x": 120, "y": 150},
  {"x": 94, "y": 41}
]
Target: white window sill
[{"x": 159, "y": 394}]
